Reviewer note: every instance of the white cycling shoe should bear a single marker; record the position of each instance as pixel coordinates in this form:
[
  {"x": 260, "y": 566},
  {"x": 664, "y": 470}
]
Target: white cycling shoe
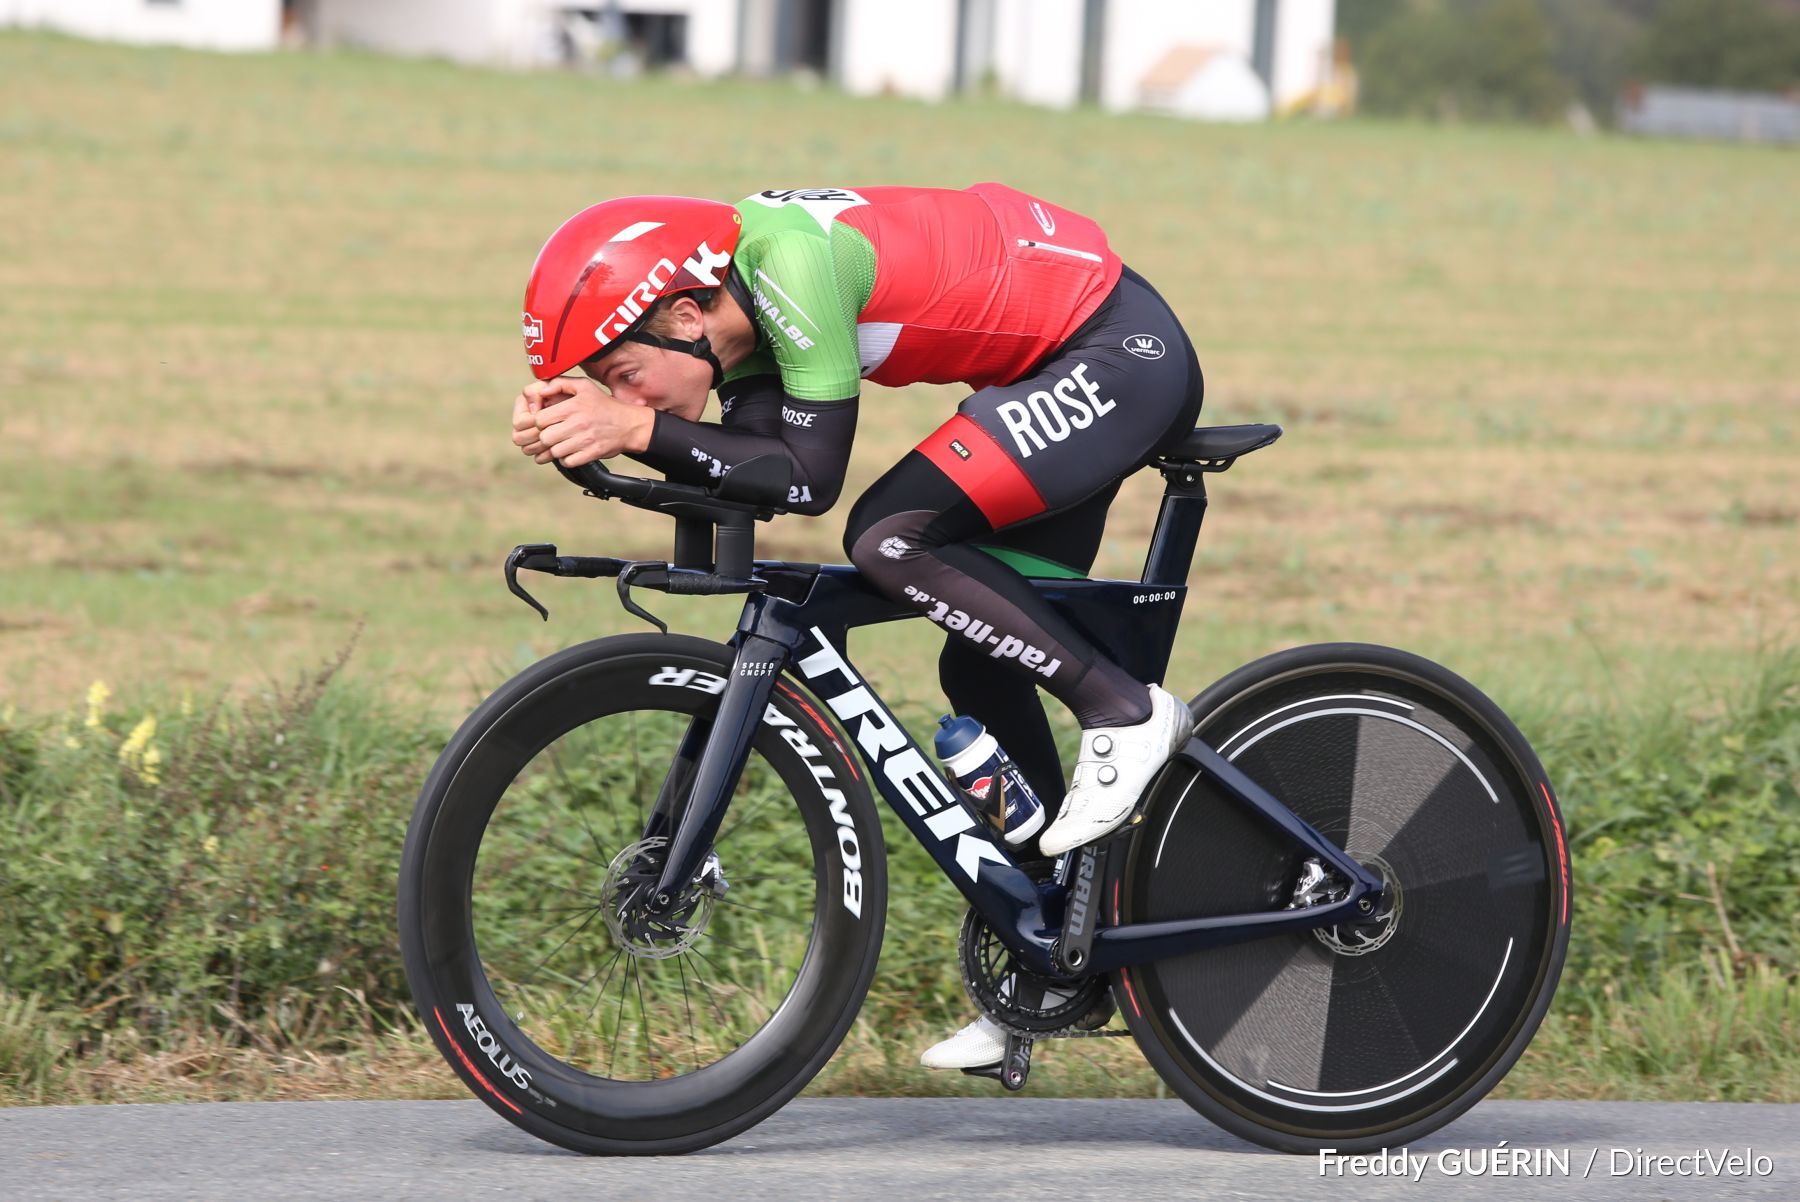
[
  {"x": 977, "y": 1045},
  {"x": 1115, "y": 764}
]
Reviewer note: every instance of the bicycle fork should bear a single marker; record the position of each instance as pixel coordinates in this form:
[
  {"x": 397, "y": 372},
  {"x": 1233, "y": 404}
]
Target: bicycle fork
[{"x": 695, "y": 799}]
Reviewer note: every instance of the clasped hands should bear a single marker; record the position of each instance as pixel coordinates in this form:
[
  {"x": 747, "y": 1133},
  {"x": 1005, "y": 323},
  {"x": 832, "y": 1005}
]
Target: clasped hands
[{"x": 574, "y": 422}]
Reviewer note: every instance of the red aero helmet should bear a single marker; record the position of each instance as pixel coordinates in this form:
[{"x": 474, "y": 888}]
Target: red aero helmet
[{"x": 606, "y": 265}]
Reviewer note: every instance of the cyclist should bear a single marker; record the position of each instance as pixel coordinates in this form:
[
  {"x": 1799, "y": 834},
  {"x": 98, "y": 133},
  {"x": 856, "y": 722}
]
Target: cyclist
[{"x": 785, "y": 303}]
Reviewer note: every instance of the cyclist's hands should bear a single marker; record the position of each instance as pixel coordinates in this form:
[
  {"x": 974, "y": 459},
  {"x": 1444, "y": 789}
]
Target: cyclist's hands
[
  {"x": 575, "y": 422},
  {"x": 578, "y": 423},
  {"x": 526, "y": 405}
]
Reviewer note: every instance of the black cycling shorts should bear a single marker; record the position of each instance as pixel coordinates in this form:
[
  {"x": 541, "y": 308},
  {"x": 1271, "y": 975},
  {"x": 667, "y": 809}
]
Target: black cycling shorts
[{"x": 1124, "y": 385}]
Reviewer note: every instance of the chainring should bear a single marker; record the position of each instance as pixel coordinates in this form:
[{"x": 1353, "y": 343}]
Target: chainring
[{"x": 1020, "y": 1001}]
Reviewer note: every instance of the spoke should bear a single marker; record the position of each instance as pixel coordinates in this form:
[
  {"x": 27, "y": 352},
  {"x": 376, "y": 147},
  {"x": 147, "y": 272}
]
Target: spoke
[
  {"x": 757, "y": 808},
  {"x": 564, "y": 909},
  {"x": 751, "y": 952},
  {"x": 614, "y": 826},
  {"x": 644, "y": 1027},
  {"x": 588, "y": 1019},
  {"x": 722, "y": 972},
  {"x": 593, "y": 838},
  {"x": 590, "y": 911},
  {"x": 562, "y": 1003},
  {"x": 612, "y": 1057},
  {"x": 743, "y": 905},
  {"x": 543, "y": 840},
  {"x": 756, "y": 861},
  {"x": 573, "y": 796},
  {"x": 686, "y": 1004},
  {"x": 711, "y": 995},
  {"x": 571, "y": 935}
]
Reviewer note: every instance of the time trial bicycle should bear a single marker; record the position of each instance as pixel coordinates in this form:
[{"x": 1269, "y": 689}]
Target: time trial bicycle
[{"x": 644, "y": 888}]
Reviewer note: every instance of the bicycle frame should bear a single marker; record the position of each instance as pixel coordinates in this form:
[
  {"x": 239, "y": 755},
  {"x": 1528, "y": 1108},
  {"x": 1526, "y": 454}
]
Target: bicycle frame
[{"x": 802, "y": 622}]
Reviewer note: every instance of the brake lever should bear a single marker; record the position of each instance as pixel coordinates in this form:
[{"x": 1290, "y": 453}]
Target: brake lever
[
  {"x": 629, "y": 573},
  {"x": 538, "y": 557},
  {"x": 542, "y": 557}
]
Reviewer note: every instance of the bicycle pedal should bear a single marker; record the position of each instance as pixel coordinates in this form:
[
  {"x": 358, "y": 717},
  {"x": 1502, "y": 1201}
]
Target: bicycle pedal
[{"x": 1014, "y": 1067}]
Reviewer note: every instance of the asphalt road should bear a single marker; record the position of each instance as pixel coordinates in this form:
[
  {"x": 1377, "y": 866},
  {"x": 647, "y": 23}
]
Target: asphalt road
[{"x": 913, "y": 1148}]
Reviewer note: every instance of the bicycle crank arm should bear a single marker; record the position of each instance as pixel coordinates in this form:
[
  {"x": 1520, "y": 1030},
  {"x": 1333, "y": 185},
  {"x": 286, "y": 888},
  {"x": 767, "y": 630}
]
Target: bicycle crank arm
[{"x": 1014, "y": 1066}]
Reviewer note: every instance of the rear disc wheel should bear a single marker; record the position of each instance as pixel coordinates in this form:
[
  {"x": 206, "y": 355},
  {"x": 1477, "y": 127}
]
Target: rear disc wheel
[{"x": 1370, "y": 1034}]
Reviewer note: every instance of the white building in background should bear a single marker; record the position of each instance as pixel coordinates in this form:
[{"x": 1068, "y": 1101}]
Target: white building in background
[
  {"x": 1226, "y": 59},
  {"x": 1121, "y": 54},
  {"x": 202, "y": 24}
]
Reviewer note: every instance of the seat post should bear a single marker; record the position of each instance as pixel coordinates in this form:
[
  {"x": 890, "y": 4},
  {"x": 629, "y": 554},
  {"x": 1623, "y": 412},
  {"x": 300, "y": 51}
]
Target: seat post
[{"x": 1177, "y": 525}]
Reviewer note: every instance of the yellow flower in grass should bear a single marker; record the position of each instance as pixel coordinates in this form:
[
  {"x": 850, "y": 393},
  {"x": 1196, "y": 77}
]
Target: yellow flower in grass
[
  {"x": 137, "y": 754},
  {"x": 7, "y": 716},
  {"x": 72, "y": 743},
  {"x": 96, "y": 700}
]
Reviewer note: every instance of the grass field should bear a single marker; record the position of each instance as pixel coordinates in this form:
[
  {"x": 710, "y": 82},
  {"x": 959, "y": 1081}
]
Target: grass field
[
  {"x": 258, "y": 349},
  {"x": 1542, "y": 394}
]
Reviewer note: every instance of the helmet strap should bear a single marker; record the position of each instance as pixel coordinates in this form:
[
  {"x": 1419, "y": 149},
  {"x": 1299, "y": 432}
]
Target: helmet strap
[{"x": 699, "y": 348}]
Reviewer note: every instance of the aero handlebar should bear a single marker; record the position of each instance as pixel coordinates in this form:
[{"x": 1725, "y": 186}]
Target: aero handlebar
[{"x": 757, "y": 486}]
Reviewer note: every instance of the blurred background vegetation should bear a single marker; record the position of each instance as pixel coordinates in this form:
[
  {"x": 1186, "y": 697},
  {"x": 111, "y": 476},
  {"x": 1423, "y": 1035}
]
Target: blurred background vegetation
[{"x": 1529, "y": 60}]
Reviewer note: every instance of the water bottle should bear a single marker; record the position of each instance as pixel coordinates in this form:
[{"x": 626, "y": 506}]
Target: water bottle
[{"x": 987, "y": 775}]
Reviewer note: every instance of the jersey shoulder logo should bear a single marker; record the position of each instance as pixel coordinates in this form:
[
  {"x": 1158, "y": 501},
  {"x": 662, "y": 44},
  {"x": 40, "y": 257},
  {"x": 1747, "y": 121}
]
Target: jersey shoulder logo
[
  {"x": 821, "y": 204},
  {"x": 1145, "y": 346}
]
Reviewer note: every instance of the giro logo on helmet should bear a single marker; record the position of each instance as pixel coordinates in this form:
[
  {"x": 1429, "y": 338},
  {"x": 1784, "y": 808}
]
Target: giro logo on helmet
[
  {"x": 635, "y": 302},
  {"x": 703, "y": 265}
]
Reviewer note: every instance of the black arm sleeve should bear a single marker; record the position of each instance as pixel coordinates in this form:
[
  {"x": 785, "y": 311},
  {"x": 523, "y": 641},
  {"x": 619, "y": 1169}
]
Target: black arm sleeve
[{"x": 760, "y": 419}]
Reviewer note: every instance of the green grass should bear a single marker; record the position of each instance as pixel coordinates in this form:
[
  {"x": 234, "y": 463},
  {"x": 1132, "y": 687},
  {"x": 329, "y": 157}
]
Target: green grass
[
  {"x": 1541, "y": 393},
  {"x": 257, "y": 315},
  {"x": 207, "y": 912}
]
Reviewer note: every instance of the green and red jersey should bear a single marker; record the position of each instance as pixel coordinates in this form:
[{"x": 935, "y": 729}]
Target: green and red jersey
[{"x": 913, "y": 285}]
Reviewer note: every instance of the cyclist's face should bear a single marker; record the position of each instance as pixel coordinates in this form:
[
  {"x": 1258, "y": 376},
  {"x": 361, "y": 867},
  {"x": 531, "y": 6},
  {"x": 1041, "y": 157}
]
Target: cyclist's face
[{"x": 649, "y": 375}]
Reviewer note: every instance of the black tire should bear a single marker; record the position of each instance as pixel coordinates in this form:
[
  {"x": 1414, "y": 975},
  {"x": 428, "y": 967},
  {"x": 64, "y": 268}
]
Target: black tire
[
  {"x": 511, "y": 831},
  {"x": 1298, "y": 1042}
]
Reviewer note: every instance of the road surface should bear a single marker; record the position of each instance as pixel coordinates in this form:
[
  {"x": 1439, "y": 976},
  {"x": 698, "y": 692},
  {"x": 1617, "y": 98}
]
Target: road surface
[{"x": 967, "y": 1149}]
